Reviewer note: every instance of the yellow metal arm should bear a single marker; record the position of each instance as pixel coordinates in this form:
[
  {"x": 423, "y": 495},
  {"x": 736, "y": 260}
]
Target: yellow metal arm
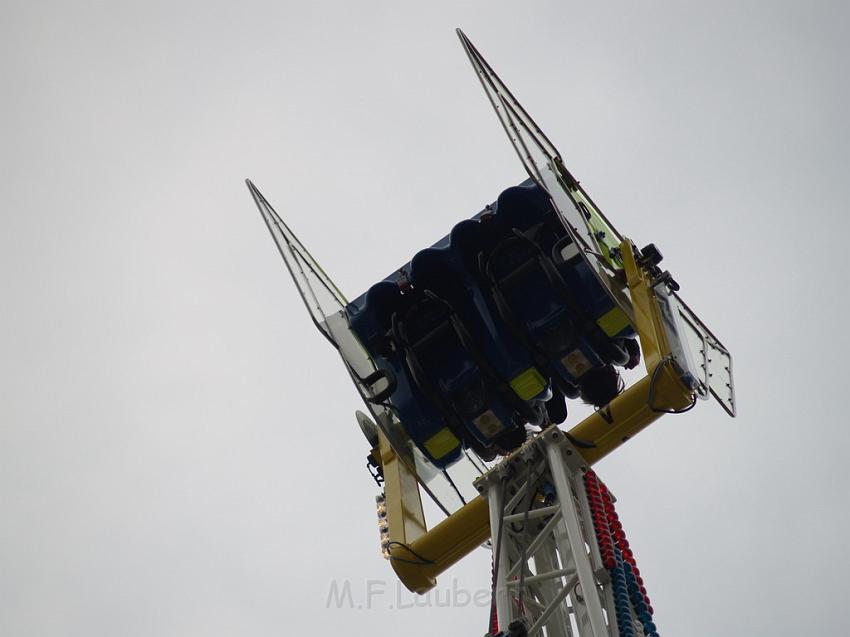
[
  {"x": 405, "y": 518},
  {"x": 419, "y": 556}
]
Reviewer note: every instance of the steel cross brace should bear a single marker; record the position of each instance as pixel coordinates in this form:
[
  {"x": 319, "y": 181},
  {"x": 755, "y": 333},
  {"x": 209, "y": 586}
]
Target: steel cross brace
[{"x": 548, "y": 566}]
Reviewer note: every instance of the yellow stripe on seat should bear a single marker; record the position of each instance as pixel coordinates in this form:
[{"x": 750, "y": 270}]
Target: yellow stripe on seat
[
  {"x": 613, "y": 321},
  {"x": 528, "y": 384},
  {"x": 441, "y": 443}
]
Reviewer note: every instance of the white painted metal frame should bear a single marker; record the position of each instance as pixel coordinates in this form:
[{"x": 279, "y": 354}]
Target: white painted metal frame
[{"x": 548, "y": 559}]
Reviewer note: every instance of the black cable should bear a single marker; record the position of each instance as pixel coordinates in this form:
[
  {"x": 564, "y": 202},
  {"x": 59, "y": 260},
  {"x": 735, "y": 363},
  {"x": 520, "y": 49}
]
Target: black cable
[
  {"x": 651, "y": 399},
  {"x": 578, "y": 442},
  {"x": 521, "y": 529},
  {"x": 454, "y": 486},
  {"x": 422, "y": 560}
]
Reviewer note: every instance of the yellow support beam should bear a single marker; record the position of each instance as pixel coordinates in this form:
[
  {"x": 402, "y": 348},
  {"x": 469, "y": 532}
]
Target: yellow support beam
[
  {"x": 418, "y": 556},
  {"x": 446, "y": 544},
  {"x": 405, "y": 518},
  {"x": 648, "y": 322}
]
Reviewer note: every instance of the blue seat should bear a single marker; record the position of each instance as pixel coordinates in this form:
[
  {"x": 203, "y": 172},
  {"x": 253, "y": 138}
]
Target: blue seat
[
  {"x": 429, "y": 428},
  {"x": 510, "y": 388},
  {"x": 543, "y": 290},
  {"x": 490, "y": 329}
]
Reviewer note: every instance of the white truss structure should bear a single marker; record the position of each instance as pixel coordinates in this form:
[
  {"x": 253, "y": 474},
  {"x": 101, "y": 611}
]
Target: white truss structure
[{"x": 548, "y": 568}]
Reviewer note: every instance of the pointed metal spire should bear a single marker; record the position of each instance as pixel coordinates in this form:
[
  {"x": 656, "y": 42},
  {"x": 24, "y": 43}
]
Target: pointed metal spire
[
  {"x": 498, "y": 92},
  {"x": 321, "y": 296},
  {"x": 597, "y": 237}
]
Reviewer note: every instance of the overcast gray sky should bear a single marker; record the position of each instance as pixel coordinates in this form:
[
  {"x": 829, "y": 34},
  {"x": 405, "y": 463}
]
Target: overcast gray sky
[{"x": 178, "y": 454}]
